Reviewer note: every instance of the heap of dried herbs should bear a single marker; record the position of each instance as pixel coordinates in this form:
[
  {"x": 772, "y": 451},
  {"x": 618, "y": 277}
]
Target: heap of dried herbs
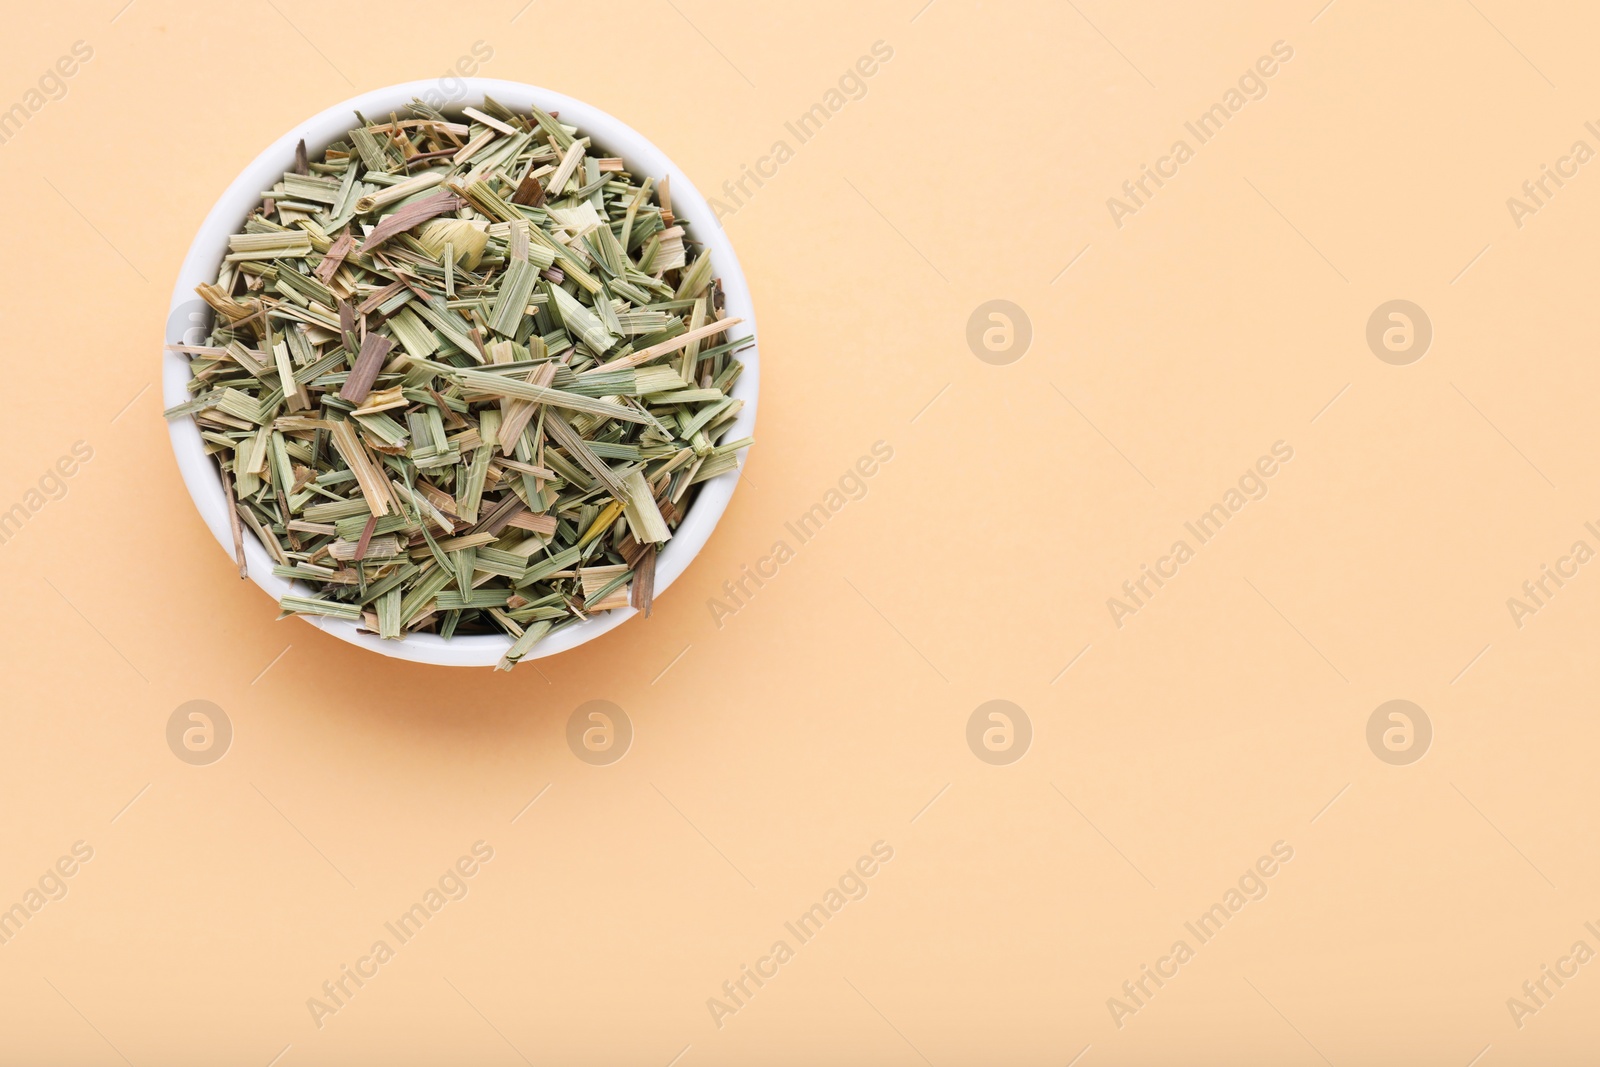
[{"x": 463, "y": 377}]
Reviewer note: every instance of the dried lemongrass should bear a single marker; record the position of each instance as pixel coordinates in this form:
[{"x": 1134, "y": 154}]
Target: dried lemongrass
[{"x": 463, "y": 377}]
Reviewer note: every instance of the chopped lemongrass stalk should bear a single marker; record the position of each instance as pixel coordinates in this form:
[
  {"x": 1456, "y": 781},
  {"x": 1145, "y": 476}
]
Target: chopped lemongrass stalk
[
  {"x": 376, "y": 548},
  {"x": 492, "y": 123},
  {"x": 605, "y": 588},
  {"x": 523, "y": 643},
  {"x": 569, "y": 165},
  {"x": 365, "y": 370},
  {"x": 644, "y": 518},
  {"x": 636, "y": 358},
  {"x": 373, "y": 485},
  {"x": 286, "y": 244},
  {"x": 300, "y": 605},
  {"x": 395, "y": 193}
]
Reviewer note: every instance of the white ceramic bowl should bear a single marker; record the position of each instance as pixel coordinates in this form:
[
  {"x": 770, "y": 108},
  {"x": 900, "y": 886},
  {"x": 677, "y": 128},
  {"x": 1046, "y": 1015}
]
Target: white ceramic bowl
[{"x": 244, "y": 195}]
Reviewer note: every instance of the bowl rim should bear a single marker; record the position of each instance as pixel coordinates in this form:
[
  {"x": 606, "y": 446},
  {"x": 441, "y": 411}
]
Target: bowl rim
[{"x": 204, "y": 259}]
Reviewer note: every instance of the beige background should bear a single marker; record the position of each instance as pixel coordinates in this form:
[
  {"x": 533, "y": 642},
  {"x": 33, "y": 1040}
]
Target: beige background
[{"x": 1228, "y": 714}]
